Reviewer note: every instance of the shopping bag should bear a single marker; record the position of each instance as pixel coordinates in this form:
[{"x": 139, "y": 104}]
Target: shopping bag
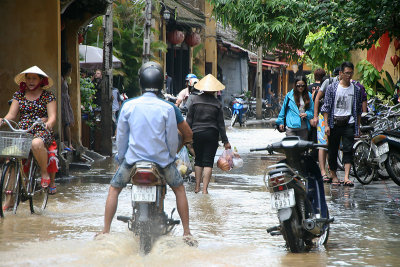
[
  {"x": 237, "y": 160},
  {"x": 225, "y": 161},
  {"x": 183, "y": 162}
]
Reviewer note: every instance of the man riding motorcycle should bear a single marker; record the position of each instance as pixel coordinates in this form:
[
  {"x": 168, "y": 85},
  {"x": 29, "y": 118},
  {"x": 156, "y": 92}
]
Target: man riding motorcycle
[{"x": 156, "y": 140}]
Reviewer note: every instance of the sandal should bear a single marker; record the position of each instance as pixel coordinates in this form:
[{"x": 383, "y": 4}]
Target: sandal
[
  {"x": 348, "y": 183},
  {"x": 326, "y": 179},
  {"x": 52, "y": 190},
  {"x": 45, "y": 182}
]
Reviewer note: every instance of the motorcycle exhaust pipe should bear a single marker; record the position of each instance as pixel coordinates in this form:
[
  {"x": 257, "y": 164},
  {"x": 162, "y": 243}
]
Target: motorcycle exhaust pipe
[{"x": 311, "y": 226}]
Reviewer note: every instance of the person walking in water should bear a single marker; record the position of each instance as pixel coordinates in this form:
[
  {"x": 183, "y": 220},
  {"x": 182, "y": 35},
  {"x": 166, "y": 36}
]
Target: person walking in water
[{"x": 205, "y": 117}]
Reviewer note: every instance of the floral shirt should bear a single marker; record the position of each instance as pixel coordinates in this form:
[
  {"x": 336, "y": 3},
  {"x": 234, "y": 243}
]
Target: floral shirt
[{"x": 31, "y": 110}]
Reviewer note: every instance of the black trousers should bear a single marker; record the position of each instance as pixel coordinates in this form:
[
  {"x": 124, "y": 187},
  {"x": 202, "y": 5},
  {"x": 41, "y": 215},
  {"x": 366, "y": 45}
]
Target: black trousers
[
  {"x": 205, "y": 144},
  {"x": 346, "y": 134}
]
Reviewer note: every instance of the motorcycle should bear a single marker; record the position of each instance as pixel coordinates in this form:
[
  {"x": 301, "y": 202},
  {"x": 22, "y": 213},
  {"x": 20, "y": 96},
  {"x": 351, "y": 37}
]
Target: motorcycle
[
  {"x": 239, "y": 108},
  {"x": 297, "y": 193},
  {"x": 148, "y": 220}
]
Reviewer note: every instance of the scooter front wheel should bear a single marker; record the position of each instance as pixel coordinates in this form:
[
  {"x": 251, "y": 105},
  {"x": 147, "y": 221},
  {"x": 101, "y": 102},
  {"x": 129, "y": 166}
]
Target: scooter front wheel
[{"x": 234, "y": 119}]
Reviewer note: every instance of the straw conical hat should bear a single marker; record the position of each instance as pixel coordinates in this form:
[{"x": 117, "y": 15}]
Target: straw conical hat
[
  {"x": 209, "y": 84},
  {"x": 35, "y": 69}
]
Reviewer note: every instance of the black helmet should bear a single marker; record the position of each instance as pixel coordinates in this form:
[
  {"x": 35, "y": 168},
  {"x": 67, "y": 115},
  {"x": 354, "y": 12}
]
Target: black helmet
[{"x": 151, "y": 77}]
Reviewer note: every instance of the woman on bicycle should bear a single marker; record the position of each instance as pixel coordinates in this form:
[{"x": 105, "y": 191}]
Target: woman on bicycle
[{"x": 33, "y": 101}]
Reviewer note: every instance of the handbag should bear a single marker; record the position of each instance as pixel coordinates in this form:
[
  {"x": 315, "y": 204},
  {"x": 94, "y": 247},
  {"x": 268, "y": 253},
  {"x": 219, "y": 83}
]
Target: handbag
[
  {"x": 284, "y": 119},
  {"x": 341, "y": 120}
]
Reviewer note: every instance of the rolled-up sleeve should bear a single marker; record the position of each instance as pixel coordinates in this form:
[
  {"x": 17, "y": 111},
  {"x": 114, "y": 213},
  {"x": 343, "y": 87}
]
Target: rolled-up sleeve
[
  {"x": 122, "y": 136},
  {"x": 172, "y": 133}
]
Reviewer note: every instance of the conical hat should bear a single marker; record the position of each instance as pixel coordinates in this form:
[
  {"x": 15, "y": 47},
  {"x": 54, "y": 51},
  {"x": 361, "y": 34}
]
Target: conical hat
[
  {"x": 35, "y": 69},
  {"x": 209, "y": 84}
]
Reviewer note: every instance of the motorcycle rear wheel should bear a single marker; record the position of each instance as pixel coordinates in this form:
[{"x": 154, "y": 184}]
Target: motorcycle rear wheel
[
  {"x": 392, "y": 165},
  {"x": 291, "y": 231},
  {"x": 145, "y": 239}
]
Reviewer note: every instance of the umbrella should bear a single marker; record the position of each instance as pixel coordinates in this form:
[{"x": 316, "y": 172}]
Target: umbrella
[{"x": 92, "y": 57}]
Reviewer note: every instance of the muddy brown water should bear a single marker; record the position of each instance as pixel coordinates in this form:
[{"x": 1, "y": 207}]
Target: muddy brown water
[{"x": 230, "y": 223}]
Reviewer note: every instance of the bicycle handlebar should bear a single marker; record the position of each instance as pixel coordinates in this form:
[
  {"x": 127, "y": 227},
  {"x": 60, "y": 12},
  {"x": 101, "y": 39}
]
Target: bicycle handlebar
[{"x": 37, "y": 122}]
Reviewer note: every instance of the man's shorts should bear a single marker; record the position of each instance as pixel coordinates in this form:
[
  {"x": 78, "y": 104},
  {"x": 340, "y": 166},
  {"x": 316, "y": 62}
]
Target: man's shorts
[
  {"x": 125, "y": 172},
  {"x": 321, "y": 136}
]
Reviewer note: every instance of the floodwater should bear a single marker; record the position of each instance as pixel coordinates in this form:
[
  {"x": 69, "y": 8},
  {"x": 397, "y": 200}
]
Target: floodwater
[{"x": 229, "y": 224}]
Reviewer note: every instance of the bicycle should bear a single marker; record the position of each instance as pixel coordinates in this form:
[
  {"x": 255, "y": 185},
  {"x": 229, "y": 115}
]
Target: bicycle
[{"x": 20, "y": 179}]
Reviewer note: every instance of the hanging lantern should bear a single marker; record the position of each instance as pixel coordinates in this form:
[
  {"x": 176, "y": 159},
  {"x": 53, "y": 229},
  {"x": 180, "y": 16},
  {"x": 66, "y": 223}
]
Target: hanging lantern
[
  {"x": 175, "y": 37},
  {"x": 395, "y": 60},
  {"x": 193, "y": 39},
  {"x": 396, "y": 44}
]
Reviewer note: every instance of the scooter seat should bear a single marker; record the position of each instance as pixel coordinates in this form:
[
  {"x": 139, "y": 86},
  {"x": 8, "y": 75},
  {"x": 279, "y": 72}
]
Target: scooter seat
[{"x": 365, "y": 129}]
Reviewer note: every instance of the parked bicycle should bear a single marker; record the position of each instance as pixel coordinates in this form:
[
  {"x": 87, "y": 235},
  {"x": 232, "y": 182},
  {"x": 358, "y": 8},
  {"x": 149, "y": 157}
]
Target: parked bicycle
[{"x": 20, "y": 179}]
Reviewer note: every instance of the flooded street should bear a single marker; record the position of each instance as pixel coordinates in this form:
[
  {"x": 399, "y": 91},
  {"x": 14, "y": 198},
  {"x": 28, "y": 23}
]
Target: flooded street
[{"x": 230, "y": 223}]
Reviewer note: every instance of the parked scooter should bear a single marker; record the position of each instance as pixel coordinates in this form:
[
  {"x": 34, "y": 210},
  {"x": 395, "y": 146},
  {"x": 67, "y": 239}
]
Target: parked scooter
[
  {"x": 239, "y": 108},
  {"x": 297, "y": 193},
  {"x": 148, "y": 220}
]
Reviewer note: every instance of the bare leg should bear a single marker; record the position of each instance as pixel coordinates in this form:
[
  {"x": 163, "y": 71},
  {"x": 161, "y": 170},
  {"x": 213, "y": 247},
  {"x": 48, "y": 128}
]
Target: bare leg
[
  {"x": 206, "y": 179},
  {"x": 40, "y": 153},
  {"x": 346, "y": 171},
  {"x": 322, "y": 154},
  {"x": 198, "y": 173},
  {"x": 183, "y": 207},
  {"x": 334, "y": 177},
  {"x": 52, "y": 179},
  {"x": 111, "y": 207}
]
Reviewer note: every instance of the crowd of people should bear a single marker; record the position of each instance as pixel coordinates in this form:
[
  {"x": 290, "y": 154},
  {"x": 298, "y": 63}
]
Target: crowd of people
[{"x": 332, "y": 108}]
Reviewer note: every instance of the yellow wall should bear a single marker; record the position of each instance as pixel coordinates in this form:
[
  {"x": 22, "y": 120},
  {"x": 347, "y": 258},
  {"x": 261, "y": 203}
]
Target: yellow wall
[
  {"x": 30, "y": 35},
  {"x": 358, "y": 55}
]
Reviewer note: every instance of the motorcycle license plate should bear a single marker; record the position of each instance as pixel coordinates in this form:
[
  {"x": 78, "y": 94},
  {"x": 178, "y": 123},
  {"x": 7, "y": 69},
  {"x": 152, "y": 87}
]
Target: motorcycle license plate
[
  {"x": 382, "y": 149},
  {"x": 144, "y": 193},
  {"x": 283, "y": 199}
]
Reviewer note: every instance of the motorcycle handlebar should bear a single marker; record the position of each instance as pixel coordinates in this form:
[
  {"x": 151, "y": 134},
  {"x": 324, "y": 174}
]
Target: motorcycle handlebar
[{"x": 258, "y": 149}]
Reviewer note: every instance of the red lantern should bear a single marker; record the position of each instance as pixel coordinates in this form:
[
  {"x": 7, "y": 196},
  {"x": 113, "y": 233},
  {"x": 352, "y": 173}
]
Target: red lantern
[
  {"x": 193, "y": 39},
  {"x": 395, "y": 60},
  {"x": 80, "y": 38},
  {"x": 175, "y": 37},
  {"x": 396, "y": 44}
]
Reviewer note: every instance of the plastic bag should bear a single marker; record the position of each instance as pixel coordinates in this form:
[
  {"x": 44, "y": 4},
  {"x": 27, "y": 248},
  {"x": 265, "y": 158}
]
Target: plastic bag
[
  {"x": 237, "y": 160},
  {"x": 225, "y": 161},
  {"x": 183, "y": 163}
]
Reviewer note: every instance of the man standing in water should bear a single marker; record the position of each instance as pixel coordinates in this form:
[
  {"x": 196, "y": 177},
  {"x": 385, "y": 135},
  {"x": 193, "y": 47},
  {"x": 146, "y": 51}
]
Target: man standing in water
[{"x": 156, "y": 139}]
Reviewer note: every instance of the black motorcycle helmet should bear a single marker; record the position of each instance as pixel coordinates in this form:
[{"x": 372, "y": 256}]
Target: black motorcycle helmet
[{"x": 151, "y": 77}]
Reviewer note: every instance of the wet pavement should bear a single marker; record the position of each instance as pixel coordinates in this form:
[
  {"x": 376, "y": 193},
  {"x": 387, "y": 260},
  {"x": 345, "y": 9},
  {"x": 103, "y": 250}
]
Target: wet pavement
[{"x": 230, "y": 223}]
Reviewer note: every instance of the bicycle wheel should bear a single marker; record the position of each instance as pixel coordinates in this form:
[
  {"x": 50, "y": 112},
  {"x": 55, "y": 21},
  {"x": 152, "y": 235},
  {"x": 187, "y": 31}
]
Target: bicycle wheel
[
  {"x": 9, "y": 189},
  {"x": 38, "y": 195},
  {"x": 364, "y": 170}
]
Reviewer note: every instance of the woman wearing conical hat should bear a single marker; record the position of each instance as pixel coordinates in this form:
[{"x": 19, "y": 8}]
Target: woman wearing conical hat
[
  {"x": 205, "y": 117},
  {"x": 30, "y": 102}
]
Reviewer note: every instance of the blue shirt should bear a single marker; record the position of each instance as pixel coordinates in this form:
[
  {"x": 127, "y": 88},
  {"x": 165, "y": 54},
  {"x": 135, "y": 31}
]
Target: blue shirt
[{"x": 147, "y": 130}]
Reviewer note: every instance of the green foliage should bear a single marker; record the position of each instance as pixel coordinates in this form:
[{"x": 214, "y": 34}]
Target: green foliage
[
  {"x": 369, "y": 76},
  {"x": 87, "y": 95},
  {"x": 389, "y": 85},
  {"x": 322, "y": 51},
  {"x": 197, "y": 61},
  {"x": 273, "y": 24},
  {"x": 359, "y": 23},
  {"x": 128, "y": 20}
]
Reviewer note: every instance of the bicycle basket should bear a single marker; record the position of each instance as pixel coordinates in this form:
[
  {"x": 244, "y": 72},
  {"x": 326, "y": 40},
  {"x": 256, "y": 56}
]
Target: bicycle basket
[{"x": 14, "y": 144}]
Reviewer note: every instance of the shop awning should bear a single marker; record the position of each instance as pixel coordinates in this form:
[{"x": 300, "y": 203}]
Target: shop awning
[
  {"x": 186, "y": 15},
  {"x": 268, "y": 63}
]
